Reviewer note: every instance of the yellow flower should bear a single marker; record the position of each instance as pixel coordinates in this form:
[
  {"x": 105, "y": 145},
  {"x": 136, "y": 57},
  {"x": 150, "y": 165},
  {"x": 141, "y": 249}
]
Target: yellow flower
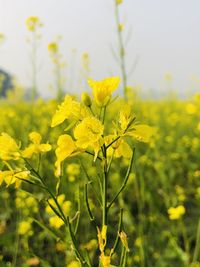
[
  {"x": 66, "y": 148},
  {"x": 88, "y": 133},
  {"x": 168, "y": 77},
  {"x": 63, "y": 112},
  {"x": 102, "y": 90},
  {"x": 74, "y": 264},
  {"x": 105, "y": 260},
  {"x": 138, "y": 242},
  {"x": 125, "y": 117},
  {"x": 124, "y": 240},
  {"x": 69, "y": 109},
  {"x": 191, "y": 108},
  {"x": 25, "y": 228},
  {"x": 56, "y": 222},
  {"x": 121, "y": 27},
  {"x": 120, "y": 147},
  {"x": 13, "y": 177},
  {"x": 176, "y": 213},
  {"x": 73, "y": 169},
  {"x": 86, "y": 99},
  {"x": 141, "y": 132},
  {"x": 197, "y": 97},
  {"x": 53, "y": 47},
  {"x": 34, "y": 261},
  {"x": 198, "y": 126},
  {"x": 36, "y": 146},
  {"x": 118, "y": 2},
  {"x": 8, "y": 148},
  {"x": 2, "y": 37},
  {"x": 33, "y": 23},
  {"x": 102, "y": 237}
]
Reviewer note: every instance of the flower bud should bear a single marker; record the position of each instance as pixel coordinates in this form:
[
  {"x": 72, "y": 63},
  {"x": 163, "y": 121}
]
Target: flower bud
[{"x": 86, "y": 99}]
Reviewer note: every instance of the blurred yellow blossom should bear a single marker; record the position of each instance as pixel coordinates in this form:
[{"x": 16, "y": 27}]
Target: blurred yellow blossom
[
  {"x": 33, "y": 23},
  {"x": 191, "y": 108},
  {"x": 65, "y": 205},
  {"x": 25, "y": 227},
  {"x": 176, "y": 213},
  {"x": 53, "y": 47},
  {"x": 86, "y": 99},
  {"x": 118, "y": 2},
  {"x": 74, "y": 264},
  {"x": 168, "y": 77},
  {"x": 8, "y": 148},
  {"x": 13, "y": 177},
  {"x": 2, "y": 37},
  {"x": 121, "y": 27}
]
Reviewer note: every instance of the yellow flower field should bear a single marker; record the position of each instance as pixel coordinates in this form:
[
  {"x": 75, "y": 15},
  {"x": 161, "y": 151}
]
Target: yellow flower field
[{"x": 100, "y": 177}]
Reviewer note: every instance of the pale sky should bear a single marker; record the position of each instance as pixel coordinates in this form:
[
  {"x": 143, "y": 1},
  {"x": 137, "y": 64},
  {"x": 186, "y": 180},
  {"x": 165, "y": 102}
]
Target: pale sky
[{"x": 165, "y": 38}]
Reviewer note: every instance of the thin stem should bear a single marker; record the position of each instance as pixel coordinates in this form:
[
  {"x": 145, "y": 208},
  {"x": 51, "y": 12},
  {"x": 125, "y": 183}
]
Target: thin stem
[
  {"x": 78, "y": 212},
  {"x": 92, "y": 219},
  {"x": 75, "y": 245},
  {"x": 92, "y": 154},
  {"x": 91, "y": 183},
  {"x": 185, "y": 239},
  {"x": 117, "y": 138},
  {"x": 60, "y": 213},
  {"x": 197, "y": 245},
  {"x": 105, "y": 187},
  {"x": 121, "y": 51},
  {"x": 125, "y": 180},
  {"x": 119, "y": 230}
]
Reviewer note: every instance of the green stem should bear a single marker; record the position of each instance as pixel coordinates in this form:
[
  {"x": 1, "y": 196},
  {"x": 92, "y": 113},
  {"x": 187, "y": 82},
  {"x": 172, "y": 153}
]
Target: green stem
[
  {"x": 185, "y": 239},
  {"x": 105, "y": 187},
  {"x": 125, "y": 181},
  {"x": 121, "y": 51},
  {"x": 197, "y": 246},
  {"x": 119, "y": 230},
  {"x": 92, "y": 219}
]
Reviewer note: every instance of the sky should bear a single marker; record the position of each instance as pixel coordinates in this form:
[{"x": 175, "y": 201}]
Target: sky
[{"x": 164, "y": 37}]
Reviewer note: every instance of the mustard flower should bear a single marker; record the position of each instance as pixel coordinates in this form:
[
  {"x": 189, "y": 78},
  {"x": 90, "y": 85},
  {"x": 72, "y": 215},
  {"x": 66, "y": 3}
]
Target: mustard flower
[
  {"x": 124, "y": 240},
  {"x": 88, "y": 133},
  {"x": 35, "y": 147},
  {"x": 176, "y": 213},
  {"x": 102, "y": 90},
  {"x": 8, "y": 148},
  {"x": 25, "y": 227},
  {"x": 32, "y": 23},
  {"x": 2, "y": 37},
  {"x": 66, "y": 148},
  {"x": 119, "y": 147},
  {"x": 13, "y": 177},
  {"x": 74, "y": 264},
  {"x": 140, "y": 132},
  {"x": 121, "y": 27},
  {"x": 86, "y": 99},
  {"x": 69, "y": 108},
  {"x": 53, "y": 47},
  {"x": 105, "y": 260},
  {"x": 118, "y": 2},
  {"x": 191, "y": 108}
]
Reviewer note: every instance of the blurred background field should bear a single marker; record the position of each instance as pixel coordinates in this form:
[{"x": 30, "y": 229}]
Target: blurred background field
[{"x": 153, "y": 47}]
